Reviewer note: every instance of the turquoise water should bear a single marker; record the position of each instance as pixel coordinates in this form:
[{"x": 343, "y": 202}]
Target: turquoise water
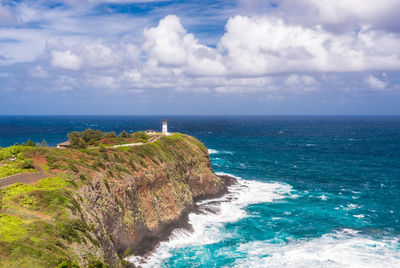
[
  {"x": 312, "y": 191},
  {"x": 321, "y": 192}
]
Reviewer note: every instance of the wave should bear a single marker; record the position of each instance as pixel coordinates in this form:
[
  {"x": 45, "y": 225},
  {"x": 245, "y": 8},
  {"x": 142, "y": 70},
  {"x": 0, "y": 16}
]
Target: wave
[
  {"x": 212, "y": 151},
  {"x": 207, "y": 226},
  {"x": 344, "y": 248}
]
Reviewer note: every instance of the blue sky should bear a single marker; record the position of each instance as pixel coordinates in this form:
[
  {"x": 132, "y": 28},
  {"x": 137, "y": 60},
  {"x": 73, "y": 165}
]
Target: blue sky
[{"x": 200, "y": 57}]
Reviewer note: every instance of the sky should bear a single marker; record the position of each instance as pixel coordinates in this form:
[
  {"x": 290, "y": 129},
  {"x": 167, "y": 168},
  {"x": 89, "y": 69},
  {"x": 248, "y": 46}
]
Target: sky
[{"x": 127, "y": 57}]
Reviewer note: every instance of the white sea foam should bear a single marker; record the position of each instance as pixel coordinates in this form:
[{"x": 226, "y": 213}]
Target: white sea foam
[
  {"x": 207, "y": 226},
  {"x": 352, "y": 206},
  {"x": 212, "y": 151},
  {"x": 323, "y": 197},
  {"x": 346, "y": 248}
]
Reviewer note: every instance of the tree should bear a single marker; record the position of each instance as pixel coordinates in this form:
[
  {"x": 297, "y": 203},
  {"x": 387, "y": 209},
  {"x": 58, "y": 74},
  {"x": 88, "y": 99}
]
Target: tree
[
  {"x": 75, "y": 141},
  {"x": 124, "y": 134},
  {"x": 30, "y": 143},
  {"x": 43, "y": 144},
  {"x": 91, "y": 136},
  {"x": 110, "y": 134}
]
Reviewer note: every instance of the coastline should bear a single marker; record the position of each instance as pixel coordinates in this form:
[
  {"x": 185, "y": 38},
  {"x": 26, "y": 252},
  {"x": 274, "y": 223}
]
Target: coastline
[{"x": 150, "y": 244}]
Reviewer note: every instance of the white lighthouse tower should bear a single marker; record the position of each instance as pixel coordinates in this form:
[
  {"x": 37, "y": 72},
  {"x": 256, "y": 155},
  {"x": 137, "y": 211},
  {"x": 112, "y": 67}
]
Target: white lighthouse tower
[{"x": 164, "y": 127}]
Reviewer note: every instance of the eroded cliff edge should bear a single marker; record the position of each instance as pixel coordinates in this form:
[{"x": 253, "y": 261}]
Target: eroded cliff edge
[{"x": 100, "y": 204}]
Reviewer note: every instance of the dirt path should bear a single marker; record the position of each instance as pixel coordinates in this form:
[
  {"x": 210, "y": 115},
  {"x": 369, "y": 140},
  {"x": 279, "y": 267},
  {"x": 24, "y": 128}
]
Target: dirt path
[{"x": 24, "y": 177}]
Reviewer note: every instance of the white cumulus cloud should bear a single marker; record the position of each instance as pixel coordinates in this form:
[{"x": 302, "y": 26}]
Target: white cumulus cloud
[
  {"x": 66, "y": 60},
  {"x": 170, "y": 44},
  {"x": 261, "y": 45}
]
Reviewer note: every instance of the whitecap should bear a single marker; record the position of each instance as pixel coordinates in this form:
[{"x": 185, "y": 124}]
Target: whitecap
[
  {"x": 207, "y": 226},
  {"x": 345, "y": 248},
  {"x": 352, "y": 206},
  {"x": 212, "y": 151}
]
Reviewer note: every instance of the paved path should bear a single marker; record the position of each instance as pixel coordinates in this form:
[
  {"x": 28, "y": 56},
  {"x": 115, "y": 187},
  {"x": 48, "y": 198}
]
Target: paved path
[
  {"x": 136, "y": 144},
  {"x": 24, "y": 177},
  {"x": 32, "y": 177}
]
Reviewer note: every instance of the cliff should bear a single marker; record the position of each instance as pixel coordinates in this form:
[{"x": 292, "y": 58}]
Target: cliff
[{"x": 100, "y": 204}]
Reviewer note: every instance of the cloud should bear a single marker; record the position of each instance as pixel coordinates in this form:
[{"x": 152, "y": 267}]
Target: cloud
[
  {"x": 91, "y": 55},
  {"x": 342, "y": 15},
  {"x": 39, "y": 72},
  {"x": 255, "y": 54},
  {"x": 375, "y": 83},
  {"x": 66, "y": 60},
  {"x": 262, "y": 53},
  {"x": 6, "y": 16},
  {"x": 261, "y": 45},
  {"x": 170, "y": 44}
]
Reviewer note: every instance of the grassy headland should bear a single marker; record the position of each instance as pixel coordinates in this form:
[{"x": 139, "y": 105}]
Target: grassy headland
[{"x": 99, "y": 204}]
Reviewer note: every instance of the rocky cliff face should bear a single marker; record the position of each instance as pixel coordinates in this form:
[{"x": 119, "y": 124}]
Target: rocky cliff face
[
  {"x": 121, "y": 201},
  {"x": 132, "y": 209}
]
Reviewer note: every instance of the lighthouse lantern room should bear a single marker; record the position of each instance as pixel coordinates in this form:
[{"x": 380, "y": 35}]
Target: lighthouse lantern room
[{"x": 164, "y": 127}]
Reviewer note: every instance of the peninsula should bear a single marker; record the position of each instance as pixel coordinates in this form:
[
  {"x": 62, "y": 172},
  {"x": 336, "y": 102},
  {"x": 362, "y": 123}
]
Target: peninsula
[{"x": 92, "y": 203}]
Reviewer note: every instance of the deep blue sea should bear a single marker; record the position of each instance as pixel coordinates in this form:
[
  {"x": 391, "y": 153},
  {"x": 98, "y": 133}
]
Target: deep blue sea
[{"x": 312, "y": 191}]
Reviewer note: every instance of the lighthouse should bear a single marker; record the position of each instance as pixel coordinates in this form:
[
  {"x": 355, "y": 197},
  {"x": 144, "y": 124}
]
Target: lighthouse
[{"x": 164, "y": 127}]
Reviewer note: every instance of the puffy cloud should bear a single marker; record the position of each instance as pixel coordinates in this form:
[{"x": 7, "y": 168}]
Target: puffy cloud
[
  {"x": 255, "y": 54},
  {"x": 375, "y": 83},
  {"x": 260, "y": 45},
  {"x": 170, "y": 44},
  {"x": 66, "y": 60}
]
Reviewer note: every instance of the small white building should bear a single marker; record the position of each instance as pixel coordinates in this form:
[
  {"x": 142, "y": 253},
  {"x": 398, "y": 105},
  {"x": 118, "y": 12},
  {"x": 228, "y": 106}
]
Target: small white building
[
  {"x": 65, "y": 144},
  {"x": 164, "y": 127}
]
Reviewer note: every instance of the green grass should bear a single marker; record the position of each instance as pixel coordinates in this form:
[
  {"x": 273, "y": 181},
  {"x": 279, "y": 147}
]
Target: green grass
[
  {"x": 11, "y": 151},
  {"x": 12, "y": 228},
  {"x": 36, "y": 223},
  {"x": 9, "y": 169}
]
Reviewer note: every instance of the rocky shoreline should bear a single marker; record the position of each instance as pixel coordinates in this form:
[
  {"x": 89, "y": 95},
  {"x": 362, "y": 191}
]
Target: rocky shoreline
[{"x": 150, "y": 244}]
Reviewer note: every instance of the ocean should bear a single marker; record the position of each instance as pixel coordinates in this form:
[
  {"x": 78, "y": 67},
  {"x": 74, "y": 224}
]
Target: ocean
[{"x": 312, "y": 191}]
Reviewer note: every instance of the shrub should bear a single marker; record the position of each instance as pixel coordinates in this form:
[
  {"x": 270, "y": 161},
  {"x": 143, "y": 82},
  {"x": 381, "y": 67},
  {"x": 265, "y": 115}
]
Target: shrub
[
  {"x": 26, "y": 164},
  {"x": 72, "y": 167},
  {"x": 30, "y": 143},
  {"x": 110, "y": 134},
  {"x": 140, "y": 135},
  {"x": 97, "y": 264},
  {"x": 68, "y": 264},
  {"x": 123, "y": 134}
]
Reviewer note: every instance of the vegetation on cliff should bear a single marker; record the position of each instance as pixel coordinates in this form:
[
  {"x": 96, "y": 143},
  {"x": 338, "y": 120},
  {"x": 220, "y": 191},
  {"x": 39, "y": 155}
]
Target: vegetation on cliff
[
  {"x": 101, "y": 203},
  {"x": 13, "y": 161},
  {"x": 90, "y": 137}
]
